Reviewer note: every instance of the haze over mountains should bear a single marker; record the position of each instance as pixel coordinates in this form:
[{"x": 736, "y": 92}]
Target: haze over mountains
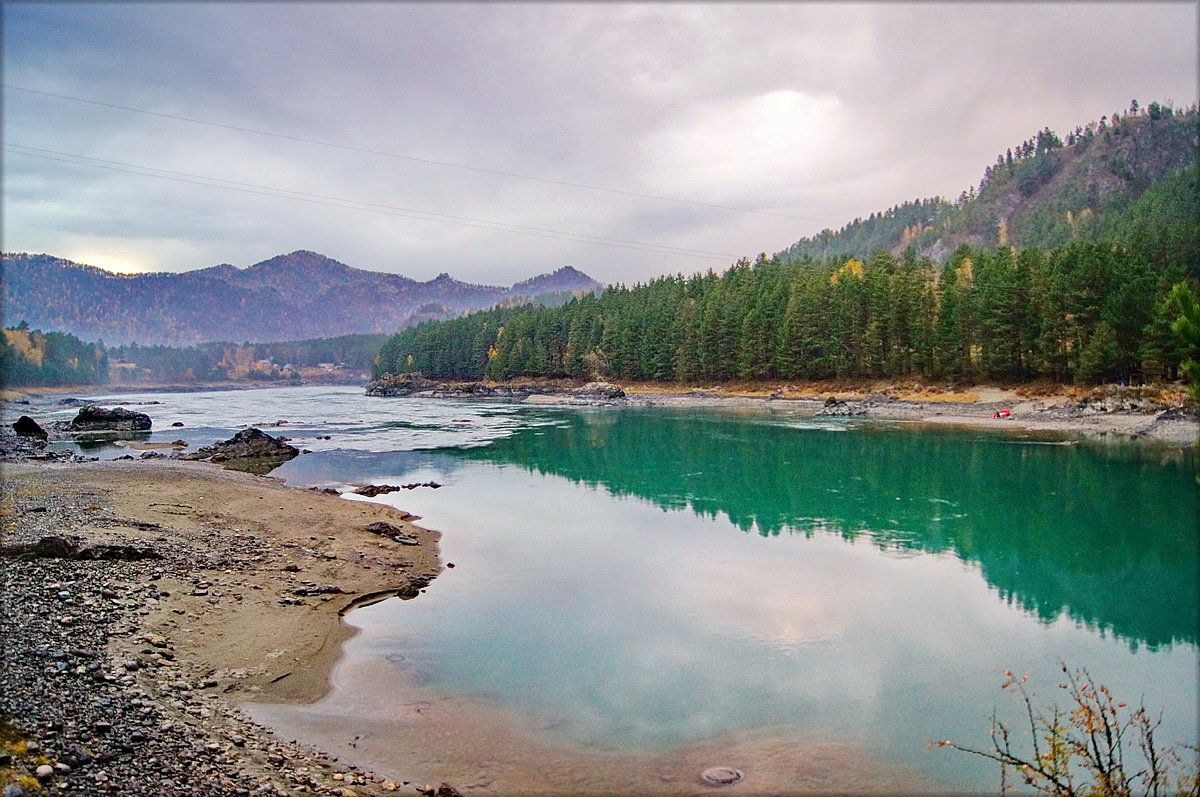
[{"x": 290, "y": 297}]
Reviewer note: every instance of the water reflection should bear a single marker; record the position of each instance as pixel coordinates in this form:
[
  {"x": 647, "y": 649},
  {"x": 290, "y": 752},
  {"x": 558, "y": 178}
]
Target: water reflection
[{"x": 1100, "y": 533}]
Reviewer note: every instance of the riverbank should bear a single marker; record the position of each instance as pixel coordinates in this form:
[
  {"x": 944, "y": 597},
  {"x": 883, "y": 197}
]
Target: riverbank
[
  {"x": 124, "y": 674},
  {"x": 1155, "y": 415}
]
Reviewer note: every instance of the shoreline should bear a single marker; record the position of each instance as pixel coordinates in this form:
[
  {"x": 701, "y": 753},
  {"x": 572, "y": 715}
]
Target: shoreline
[
  {"x": 1056, "y": 413},
  {"x": 126, "y": 673}
]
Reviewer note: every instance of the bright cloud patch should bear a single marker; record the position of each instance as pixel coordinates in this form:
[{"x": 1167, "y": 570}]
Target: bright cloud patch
[{"x": 753, "y": 143}]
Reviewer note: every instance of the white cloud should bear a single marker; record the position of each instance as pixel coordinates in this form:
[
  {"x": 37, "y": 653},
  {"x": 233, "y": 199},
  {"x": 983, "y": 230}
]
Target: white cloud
[{"x": 819, "y": 111}]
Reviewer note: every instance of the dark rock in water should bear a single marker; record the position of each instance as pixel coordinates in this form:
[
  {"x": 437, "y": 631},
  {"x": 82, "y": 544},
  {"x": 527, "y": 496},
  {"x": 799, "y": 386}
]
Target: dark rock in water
[
  {"x": 372, "y": 490},
  {"x": 72, "y": 402},
  {"x": 177, "y": 423},
  {"x": 28, "y": 427},
  {"x": 247, "y": 444},
  {"x": 94, "y": 418}
]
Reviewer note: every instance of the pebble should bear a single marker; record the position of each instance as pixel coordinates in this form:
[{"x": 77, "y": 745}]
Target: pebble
[{"x": 97, "y": 722}]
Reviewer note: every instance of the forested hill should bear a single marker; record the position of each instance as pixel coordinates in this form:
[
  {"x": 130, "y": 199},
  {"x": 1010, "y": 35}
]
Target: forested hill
[
  {"x": 295, "y": 296},
  {"x": 1048, "y": 191}
]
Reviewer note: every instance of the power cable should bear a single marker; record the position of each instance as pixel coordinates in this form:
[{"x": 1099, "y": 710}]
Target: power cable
[
  {"x": 464, "y": 167},
  {"x": 353, "y": 204}
]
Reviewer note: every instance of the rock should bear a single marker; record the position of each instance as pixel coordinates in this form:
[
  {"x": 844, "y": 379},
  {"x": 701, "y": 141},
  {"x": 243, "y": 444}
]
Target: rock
[
  {"x": 28, "y": 427},
  {"x": 94, "y": 418},
  {"x": 399, "y": 385},
  {"x": 252, "y": 443},
  {"x": 16, "y": 447},
  {"x": 372, "y": 490},
  {"x": 44, "y": 772},
  {"x": 721, "y": 776},
  {"x": 177, "y": 423},
  {"x": 837, "y": 407},
  {"x": 604, "y": 391},
  {"x": 13, "y": 790},
  {"x": 385, "y": 529},
  {"x": 45, "y": 548},
  {"x": 443, "y": 790}
]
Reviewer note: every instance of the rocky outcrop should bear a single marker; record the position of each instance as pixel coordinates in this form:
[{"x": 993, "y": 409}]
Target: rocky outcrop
[
  {"x": 94, "y": 418},
  {"x": 603, "y": 391},
  {"x": 839, "y": 408},
  {"x": 390, "y": 385},
  {"x": 417, "y": 385},
  {"x": 372, "y": 490},
  {"x": 28, "y": 427},
  {"x": 247, "y": 444}
]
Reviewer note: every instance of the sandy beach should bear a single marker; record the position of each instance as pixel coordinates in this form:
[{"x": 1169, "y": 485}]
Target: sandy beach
[{"x": 241, "y": 602}]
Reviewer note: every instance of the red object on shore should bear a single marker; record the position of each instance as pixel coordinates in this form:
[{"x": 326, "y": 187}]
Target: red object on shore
[{"x": 1001, "y": 413}]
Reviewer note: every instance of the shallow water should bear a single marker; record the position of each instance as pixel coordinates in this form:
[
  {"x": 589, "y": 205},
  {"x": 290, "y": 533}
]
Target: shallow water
[{"x": 637, "y": 583}]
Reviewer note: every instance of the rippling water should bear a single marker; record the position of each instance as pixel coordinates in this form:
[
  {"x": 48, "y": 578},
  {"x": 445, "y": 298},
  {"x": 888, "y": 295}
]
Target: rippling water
[{"x": 636, "y": 581}]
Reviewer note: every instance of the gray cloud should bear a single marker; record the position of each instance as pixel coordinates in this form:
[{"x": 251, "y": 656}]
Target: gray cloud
[{"x": 821, "y": 112}]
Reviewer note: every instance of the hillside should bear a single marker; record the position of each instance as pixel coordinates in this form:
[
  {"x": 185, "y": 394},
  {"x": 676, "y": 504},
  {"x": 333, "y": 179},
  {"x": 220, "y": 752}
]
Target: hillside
[
  {"x": 1128, "y": 177},
  {"x": 289, "y": 297}
]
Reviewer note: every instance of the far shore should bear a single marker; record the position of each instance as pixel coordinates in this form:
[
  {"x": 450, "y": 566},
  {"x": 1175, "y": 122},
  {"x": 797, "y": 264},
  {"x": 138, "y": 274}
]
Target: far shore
[{"x": 1166, "y": 416}]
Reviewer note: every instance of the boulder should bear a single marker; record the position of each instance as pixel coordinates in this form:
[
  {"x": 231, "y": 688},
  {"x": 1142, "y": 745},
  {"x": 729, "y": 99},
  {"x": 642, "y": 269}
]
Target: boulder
[
  {"x": 839, "y": 408},
  {"x": 94, "y": 418},
  {"x": 400, "y": 385},
  {"x": 252, "y": 443},
  {"x": 28, "y": 427},
  {"x": 600, "y": 390}
]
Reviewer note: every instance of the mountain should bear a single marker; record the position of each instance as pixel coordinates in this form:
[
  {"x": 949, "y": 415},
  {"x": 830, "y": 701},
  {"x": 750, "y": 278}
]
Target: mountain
[
  {"x": 289, "y": 297},
  {"x": 1128, "y": 177}
]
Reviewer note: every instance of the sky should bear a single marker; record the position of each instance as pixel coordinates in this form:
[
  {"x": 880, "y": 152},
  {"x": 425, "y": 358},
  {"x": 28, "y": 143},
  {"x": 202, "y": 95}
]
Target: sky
[{"x": 496, "y": 141}]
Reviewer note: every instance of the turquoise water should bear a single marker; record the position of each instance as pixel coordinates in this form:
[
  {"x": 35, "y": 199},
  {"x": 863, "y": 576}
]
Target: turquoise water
[{"x": 652, "y": 578}]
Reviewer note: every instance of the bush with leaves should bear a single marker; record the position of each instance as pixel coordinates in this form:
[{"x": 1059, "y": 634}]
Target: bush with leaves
[{"x": 1096, "y": 746}]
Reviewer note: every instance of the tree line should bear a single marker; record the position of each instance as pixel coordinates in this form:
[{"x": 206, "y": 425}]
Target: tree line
[
  {"x": 1085, "y": 312},
  {"x": 30, "y": 357}
]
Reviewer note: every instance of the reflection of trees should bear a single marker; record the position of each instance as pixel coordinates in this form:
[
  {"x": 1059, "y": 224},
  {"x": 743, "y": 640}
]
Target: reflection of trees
[{"x": 1103, "y": 534}]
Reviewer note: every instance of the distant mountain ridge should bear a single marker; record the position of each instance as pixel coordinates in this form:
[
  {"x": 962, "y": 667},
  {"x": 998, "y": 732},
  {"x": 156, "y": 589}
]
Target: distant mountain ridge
[
  {"x": 299, "y": 295},
  {"x": 1135, "y": 170}
]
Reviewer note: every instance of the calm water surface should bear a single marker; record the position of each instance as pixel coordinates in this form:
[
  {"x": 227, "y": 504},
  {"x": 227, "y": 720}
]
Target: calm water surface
[{"x": 639, "y": 580}]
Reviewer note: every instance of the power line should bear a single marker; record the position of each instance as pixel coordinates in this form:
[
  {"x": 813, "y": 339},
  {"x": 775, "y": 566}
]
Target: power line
[
  {"x": 464, "y": 167},
  {"x": 354, "y": 204}
]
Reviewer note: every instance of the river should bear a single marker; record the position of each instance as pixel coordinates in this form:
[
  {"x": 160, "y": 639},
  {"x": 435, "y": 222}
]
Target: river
[{"x": 636, "y": 585}]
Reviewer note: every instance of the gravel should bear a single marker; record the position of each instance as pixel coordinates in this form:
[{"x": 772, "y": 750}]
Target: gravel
[{"x": 95, "y": 721}]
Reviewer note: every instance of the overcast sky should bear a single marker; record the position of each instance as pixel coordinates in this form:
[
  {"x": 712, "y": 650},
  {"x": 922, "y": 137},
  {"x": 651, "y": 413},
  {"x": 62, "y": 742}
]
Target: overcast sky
[{"x": 495, "y": 141}]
